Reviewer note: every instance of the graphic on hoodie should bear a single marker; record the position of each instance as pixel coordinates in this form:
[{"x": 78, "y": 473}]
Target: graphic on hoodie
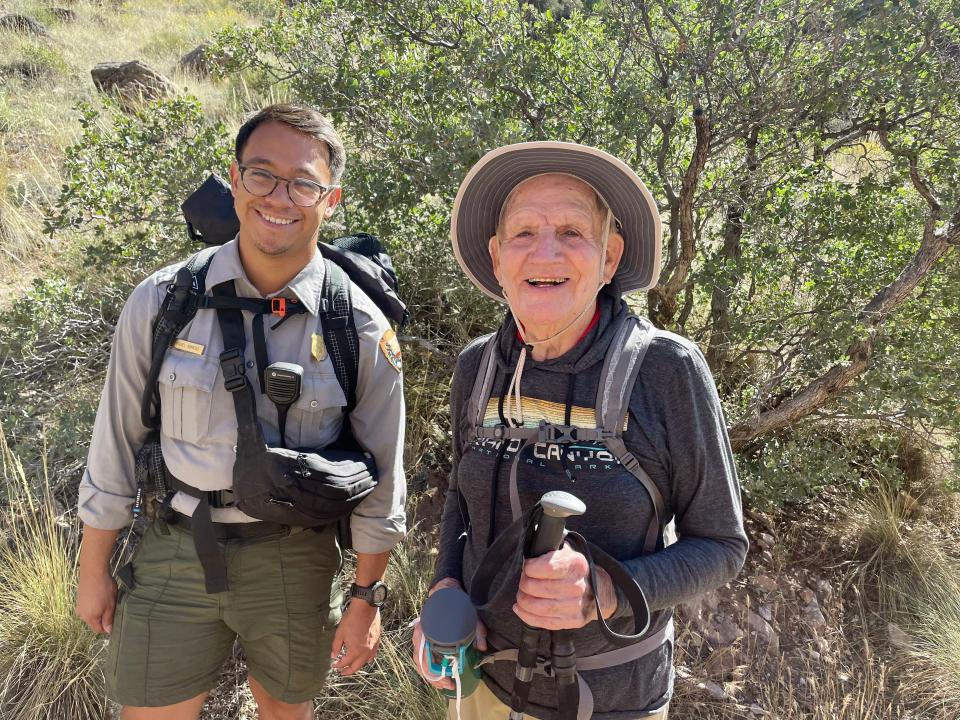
[{"x": 593, "y": 457}]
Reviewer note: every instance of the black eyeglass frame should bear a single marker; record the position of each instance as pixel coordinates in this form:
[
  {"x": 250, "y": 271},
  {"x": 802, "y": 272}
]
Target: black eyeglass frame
[{"x": 325, "y": 190}]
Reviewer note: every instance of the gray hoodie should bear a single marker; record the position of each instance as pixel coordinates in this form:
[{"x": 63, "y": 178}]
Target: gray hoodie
[{"x": 674, "y": 427}]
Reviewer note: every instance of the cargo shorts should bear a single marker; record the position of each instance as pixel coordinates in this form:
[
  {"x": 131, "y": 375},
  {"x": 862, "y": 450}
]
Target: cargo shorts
[{"x": 170, "y": 638}]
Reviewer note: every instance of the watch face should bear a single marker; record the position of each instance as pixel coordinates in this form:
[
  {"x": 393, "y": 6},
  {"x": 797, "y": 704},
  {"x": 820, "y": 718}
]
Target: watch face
[{"x": 379, "y": 593}]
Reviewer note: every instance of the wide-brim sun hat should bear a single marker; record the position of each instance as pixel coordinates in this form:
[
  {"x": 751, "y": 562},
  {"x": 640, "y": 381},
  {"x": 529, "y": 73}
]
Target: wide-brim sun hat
[{"x": 486, "y": 187}]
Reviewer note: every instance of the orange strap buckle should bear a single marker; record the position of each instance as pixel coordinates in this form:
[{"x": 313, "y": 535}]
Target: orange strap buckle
[{"x": 278, "y": 306}]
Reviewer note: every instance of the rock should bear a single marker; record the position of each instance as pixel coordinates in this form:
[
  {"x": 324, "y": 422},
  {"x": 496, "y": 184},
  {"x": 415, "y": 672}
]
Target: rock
[
  {"x": 765, "y": 612},
  {"x": 200, "y": 61},
  {"x": 764, "y": 632},
  {"x": 26, "y": 70},
  {"x": 22, "y": 24},
  {"x": 63, "y": 14},
  {"x": 131, "y": 81},
  {"x": 764, "y": 582},
  {"x": 807, "y": 596},
  {"x": 826, "y": 590},
  {"x": 814, "y": 615},
  {"x": 713, "y": 690},
  {"x": 720, "y": 664},
  {"x": 766, "y": 541},
  {"x": 757, "y": 710},
  {"x": 724, "y": 632}
]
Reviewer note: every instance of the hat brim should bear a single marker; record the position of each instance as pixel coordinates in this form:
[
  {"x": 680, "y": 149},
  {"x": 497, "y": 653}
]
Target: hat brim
[{"x": 489, "y": 182}]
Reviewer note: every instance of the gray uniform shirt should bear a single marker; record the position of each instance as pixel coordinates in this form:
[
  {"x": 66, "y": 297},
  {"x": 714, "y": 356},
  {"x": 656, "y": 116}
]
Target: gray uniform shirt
[{"x": 198, "y": 420}]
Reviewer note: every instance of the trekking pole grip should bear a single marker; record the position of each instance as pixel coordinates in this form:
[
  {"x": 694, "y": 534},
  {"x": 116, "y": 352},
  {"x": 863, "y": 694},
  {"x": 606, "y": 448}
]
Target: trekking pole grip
[{"x": 557, "y": 506}]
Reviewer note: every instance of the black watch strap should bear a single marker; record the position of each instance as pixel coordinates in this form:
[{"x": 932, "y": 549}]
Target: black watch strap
[{"x": 374, "y": 595}]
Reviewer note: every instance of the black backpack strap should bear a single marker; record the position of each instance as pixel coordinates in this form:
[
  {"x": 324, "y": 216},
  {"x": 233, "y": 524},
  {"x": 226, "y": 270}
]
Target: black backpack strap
[
  {"x": 339, "y": 330},
  {"x": 177, "y": 309}
]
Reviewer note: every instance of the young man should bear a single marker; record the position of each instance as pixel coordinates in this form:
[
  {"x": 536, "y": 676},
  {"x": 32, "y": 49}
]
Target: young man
[{"x": 168, "y": 634}]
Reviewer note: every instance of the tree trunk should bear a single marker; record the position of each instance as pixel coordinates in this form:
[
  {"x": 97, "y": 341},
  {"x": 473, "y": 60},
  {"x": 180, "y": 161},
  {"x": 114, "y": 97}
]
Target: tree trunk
[
  {"x": 731, "y": 253},
  {"x": 826, "y": 387},
  {"x": 662, "y": 299}
]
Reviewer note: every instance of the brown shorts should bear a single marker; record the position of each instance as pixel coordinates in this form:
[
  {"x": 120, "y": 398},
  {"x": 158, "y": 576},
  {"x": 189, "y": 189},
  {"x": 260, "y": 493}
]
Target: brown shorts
[{"x": 170, "y": 637}]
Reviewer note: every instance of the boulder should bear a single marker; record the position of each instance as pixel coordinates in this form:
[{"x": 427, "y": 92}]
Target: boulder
[
  {"x": 201, "y": 61},
  {"x": 63, "y": 14},
  {"x": 764, "y": 582},
  {"x": 720, "y": 664},
  {"x": 22, "y": 24},
  {"x": 132, "y": 82}
]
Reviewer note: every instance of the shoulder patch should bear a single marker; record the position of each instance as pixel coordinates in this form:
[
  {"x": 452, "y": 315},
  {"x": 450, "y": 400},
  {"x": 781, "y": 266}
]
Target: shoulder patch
[{"x": 391, "y": 349}]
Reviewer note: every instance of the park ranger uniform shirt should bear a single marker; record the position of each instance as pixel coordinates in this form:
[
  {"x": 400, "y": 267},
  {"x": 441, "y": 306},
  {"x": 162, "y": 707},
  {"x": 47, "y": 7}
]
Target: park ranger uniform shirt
[{"x": 198, "y": 420}]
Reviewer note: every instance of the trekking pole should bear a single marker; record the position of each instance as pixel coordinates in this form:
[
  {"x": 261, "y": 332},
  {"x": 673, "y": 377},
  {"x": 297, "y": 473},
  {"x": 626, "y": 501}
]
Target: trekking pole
[
  {"x": 282, "y": 384},
  {"x": 557, "y": 506}
]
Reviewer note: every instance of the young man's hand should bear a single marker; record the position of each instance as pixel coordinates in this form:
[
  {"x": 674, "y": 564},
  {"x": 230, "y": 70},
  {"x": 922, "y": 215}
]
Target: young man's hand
[
  {"x": 357, "y": 638},
  {"x": 96, "y": 590}
]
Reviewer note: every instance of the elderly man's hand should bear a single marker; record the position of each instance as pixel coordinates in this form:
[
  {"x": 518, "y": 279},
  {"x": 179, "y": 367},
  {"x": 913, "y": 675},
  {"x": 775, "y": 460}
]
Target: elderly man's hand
[
  {"x": 479, "y": 641},
  {"x": 555, "y": 591}
]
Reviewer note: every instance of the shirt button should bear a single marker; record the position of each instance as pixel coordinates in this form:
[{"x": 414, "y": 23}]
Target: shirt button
[
  {"x": 173, "y": 376},
  {"x": 234, "y": 449},
  {"x": 313, "y": 403},
  {"x": 249, "y": 363}
]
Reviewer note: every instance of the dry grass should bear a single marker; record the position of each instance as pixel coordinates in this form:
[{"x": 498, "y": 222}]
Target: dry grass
[
  {"x": 904, "y": 566},
  {"x": 48, "y": 657},
  {"x": 38, "y": 116}
]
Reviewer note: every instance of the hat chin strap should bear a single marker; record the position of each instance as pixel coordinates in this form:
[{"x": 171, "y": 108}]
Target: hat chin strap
[{"x": 513, "y": 392}]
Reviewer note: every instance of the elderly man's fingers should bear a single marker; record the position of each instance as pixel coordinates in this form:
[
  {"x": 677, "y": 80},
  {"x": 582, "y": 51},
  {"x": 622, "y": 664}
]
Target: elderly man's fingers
[
  {"x": 480, "y": 640},
  {"x": 554, "y": 606},
  {"x": 419, "y": 658},
  {"x": 557, "y": 565},
  {"x": 565, "y": 588},
  {"x": 570, "y": 621}
]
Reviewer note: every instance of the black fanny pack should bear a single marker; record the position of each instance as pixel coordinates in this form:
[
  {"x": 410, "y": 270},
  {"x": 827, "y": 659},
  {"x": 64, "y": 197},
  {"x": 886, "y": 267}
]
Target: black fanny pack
[{"x": 299, "y": 487}]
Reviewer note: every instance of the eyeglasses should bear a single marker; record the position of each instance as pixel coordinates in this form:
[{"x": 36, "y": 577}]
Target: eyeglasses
[{"x": 305, "y": 193}]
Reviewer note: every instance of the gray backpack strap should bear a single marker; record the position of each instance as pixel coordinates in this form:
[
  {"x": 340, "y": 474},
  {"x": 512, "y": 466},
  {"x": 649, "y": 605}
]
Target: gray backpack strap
[
  {"x": 482, "y": 386},
  {"x": 620, "y": 371}
]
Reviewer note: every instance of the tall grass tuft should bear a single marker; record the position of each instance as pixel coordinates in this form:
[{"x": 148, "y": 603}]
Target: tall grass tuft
[
  {"x": 49, "y": 660},
  {"x": 904, "y": 566}
]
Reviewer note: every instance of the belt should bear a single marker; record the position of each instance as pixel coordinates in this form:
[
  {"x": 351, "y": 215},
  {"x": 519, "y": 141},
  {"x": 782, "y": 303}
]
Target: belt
[{"x": 237, "y": 531}]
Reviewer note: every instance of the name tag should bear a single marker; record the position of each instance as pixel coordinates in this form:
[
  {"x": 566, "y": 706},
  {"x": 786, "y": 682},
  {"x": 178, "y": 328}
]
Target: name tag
[{"x": 187, "y": 346}]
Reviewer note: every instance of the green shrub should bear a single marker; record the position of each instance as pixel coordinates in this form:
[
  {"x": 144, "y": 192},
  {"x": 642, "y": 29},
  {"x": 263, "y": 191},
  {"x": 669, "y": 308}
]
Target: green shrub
[{"x": 127, "y": 175}]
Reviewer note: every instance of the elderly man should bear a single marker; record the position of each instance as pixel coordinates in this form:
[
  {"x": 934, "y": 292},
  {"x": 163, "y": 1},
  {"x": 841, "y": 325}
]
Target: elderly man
[
  {"x": 574, "y": 393},
  {"x": 211, "y": 574}
]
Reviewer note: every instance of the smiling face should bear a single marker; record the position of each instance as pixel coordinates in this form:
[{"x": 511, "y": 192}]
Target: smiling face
[
  {"x": 547, "y": 253},
  {"x": 273, "y": 226}
]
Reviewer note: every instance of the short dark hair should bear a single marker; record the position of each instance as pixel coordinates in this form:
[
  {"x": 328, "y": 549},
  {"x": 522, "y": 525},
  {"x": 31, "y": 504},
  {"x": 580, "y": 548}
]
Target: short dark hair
[{"x": 303, "y": 119}]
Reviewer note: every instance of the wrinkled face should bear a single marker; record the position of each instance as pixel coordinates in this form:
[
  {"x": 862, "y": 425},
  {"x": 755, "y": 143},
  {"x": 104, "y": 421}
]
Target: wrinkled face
[
  {"x": 547, "y": 253},
  {"x": 273, "y": 225}
]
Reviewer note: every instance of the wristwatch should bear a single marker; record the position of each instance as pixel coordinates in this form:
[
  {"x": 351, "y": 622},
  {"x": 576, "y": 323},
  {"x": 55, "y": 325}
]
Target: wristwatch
[{"x": 374, "y": 595}]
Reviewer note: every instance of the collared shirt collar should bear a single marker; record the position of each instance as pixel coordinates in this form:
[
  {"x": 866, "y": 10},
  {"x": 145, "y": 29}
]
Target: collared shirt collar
[{"x": 306, "y": 286}]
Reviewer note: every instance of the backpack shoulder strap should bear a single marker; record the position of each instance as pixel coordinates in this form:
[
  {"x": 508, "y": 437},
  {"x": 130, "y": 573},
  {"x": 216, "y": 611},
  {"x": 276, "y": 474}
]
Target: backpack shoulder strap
[
  {"x": 178, "y": 307},
  {"x": 620, "y": 371},
  {"x": 482, "y": 387},
  {"x": 340, "y": 330}
]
